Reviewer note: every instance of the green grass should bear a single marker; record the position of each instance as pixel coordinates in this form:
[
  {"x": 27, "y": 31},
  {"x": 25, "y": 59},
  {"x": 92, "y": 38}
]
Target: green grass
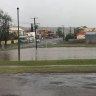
[
  {"x": 50, "y": 62},
  {"x": 49, "y": 69},
  {"x": 38, "y": 66}
]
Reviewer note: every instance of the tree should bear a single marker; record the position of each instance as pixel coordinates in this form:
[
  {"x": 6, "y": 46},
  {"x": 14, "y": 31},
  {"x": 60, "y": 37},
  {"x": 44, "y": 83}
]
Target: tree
[
  {"x": 13, "y": 36},
  {"x": 70, "y": 36},
  {"x": 5, "y": 20},
  {"x": 59, "y": 32},
  {"x": 79, "y": 29}
]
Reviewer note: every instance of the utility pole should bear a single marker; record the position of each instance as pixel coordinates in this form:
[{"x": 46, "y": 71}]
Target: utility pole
[
  {"x": 35, "y": 37},
  {"x": 18, "y": 35},
  {"x": 35, "y": 31},
  {"x": 31, "y": 27}
]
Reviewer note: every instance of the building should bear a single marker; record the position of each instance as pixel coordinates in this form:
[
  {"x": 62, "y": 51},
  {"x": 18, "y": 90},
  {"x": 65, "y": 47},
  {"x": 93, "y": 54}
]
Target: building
[
  {"x": 30, "y": 35},
  {"x": 89, "y": 29},
  {"x": 90, "y": 37},
  {"x": 81, "y": 35},
  {"x": 46, "y": 34},
  {"x": 15, "y": 30}
]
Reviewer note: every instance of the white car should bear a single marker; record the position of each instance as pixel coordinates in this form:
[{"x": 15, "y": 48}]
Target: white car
[
  {"x": 23, "y": 39},
  {"x": 38, "y": 40}
]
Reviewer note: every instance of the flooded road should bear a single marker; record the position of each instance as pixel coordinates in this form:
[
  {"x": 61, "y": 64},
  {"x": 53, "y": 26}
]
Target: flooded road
[
  {"x": 52, "y": 53},
  {"x": 67, "y": 84}
]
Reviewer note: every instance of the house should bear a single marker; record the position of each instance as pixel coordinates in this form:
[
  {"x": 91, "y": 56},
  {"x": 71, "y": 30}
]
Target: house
[
  {"x": 46, "y": 34},
  {"x": 15, "y": 29},
  {"x": 81, "y": 35}
]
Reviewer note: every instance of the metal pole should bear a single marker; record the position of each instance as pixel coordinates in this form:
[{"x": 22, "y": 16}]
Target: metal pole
[
  {"x": 31, "y": 27},
  {"x": 35, "y": 32},
  {"x": 18, "y": 35}
]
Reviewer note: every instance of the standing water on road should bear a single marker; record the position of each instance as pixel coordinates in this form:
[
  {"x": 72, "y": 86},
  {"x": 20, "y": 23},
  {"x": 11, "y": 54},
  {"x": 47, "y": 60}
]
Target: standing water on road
[{"x": 68, "y": 84}]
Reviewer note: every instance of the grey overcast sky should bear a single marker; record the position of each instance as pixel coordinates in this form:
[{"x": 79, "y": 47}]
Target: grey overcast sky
[{"x": 53, "y": 12}]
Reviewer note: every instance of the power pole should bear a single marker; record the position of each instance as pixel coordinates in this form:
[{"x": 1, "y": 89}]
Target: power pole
[
  {"x": 31, "y": 27},
  {"x": 35, "y": 31},
  {"x": 35, "y": 37},
  {"x": 18, "y": 35}
]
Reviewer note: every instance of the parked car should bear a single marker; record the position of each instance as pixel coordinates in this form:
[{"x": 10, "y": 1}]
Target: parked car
[
  {"x": 23, "y": 39},
  {"x": 38, "y": 40}
]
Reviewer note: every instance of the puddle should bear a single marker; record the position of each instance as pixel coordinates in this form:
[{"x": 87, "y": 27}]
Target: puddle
[
  {"x": 56, "y": 83},
  {"x": 50, "y": 54},
  {"x": 90, "y": 86}
]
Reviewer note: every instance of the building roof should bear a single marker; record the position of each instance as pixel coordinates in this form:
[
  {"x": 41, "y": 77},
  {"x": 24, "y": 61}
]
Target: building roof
[
  {"x": 90, "y": 29},
  {"x": 15, "y": 29}
]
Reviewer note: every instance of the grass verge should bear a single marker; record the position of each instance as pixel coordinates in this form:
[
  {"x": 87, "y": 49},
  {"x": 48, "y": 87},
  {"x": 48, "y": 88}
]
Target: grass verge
[
  {"x": 55, "y": 69},
  {"x": 50, "y": 62},
  {"x": 40, "y": 66}
]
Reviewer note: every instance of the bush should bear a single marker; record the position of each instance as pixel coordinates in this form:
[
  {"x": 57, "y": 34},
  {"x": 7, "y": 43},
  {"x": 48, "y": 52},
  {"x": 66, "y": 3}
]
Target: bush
[{"x": 69, "y": 36}]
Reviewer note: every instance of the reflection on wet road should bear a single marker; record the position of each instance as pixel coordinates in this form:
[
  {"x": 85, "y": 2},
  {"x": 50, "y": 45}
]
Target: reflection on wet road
[
  {"x": 28, "y": 84},
  {"x": 51, "y": 53}
]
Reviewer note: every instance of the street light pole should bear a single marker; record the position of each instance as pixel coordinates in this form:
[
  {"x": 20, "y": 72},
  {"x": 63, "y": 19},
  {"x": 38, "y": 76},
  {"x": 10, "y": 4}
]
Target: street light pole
[{"x": 18, "y": 35}]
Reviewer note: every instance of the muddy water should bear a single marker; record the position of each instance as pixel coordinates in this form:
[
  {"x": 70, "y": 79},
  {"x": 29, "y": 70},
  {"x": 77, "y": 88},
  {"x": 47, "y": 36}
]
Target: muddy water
[
  {"x": 27, "y": 84},
  {"x": 4, "y": 55},
  {"x": 51, "y": 53}
]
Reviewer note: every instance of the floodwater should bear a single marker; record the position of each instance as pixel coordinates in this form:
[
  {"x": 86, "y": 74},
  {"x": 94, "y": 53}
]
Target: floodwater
[
  {"x": 65, "y": 84},
  {"x": 51, "y": 53}
]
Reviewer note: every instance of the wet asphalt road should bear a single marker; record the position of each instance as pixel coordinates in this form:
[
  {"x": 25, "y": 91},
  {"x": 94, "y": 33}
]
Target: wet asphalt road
[{"x": 68, "y": 84}]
